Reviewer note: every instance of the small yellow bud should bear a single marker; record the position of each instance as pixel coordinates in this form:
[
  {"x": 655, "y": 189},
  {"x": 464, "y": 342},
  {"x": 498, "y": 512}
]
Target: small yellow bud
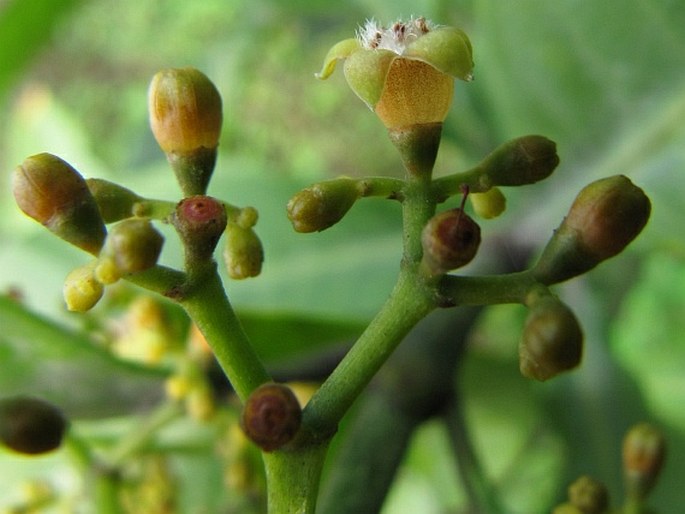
[
  {"x": 489, "y": 204},
  {"x": 243, "y": 252},
  {"x": 81, "y": 289}
]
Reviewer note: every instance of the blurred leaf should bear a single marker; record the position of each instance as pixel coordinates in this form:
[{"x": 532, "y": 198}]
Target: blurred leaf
[
  {"x": 48, "y": 360},
  {"x": 25, "y": 26}
]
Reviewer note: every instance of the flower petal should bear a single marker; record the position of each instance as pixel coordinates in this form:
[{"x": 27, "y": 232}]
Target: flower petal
[
  {"x": 340, "y": 50},
  {"x": 448, "y": 49},
  {"x": 366, "y": 71}
]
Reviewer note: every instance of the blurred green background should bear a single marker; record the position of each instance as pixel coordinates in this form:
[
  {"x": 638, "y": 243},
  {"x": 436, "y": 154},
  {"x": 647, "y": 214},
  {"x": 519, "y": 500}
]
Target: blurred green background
[{"x": 605, "y": 80}]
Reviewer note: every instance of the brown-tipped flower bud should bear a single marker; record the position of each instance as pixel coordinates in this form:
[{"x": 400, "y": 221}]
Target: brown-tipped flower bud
[
  {"x": 200, "y": 221},
  {"x": 450, "y": 240},
  {"x": 186, "y": 117},
  {"x": 604, "y": 218},
  {"x": 53, "y": 193},
  {"x": 552, "y": 340},
  {"x": 31, "y": 426},
  {"x": 322, "y": 205},
  {"x": 490, "y": 204},
  {"x": 243, "y": 252},
  {"x": 131, "y": 246},
  {"x": 524, "y": 160},
  {"x": 115, "y": 202},
  {"x": 82, "y": 290},
  {"x": 271, "y": 416},
  {"x": 589, "y": 495},
  {"x": 644, "y": 452}
]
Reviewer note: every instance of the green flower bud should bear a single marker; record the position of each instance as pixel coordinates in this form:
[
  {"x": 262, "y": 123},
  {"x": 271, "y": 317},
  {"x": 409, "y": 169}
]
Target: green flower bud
[
  {"x": 406, "y": 72},
  {"x": 589, "y": 495},
  {"x": 552, "y": 340},
  {"x": 200, "y": 221},
  {"x": 131, "y": 246},
  {"x": 115, "y": 202},
  {"x": 31, "y": 426},
  {"x": 243, "y": 252},
  {"x": 271, "y": 416},
  {"x": 644, "y": 452},
  {"x": 450, "y": 240},
  {"x": 186, "y": 117},
  {"x": 81, "y": 289},
  {"x": 604, "y": 218},
  {"x": 322, "y": 205},
  {"x": 53, "y": 193},
  {"x": 490, "y": 204},
  {"x": 521, "y": 161}
]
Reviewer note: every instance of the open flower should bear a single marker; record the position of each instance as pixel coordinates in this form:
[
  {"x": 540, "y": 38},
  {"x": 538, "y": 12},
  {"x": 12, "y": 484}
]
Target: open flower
[{"x": 404, "y": 73}]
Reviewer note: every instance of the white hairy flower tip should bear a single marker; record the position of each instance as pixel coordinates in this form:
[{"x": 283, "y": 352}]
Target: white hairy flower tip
[{"x": 397, "y": 37}]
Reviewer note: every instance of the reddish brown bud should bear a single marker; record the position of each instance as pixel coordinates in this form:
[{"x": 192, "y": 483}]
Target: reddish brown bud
[
  {"x": 552, "y": 340},
  {"x": 200, "y": 221},
  {"x": 644, "y": 452},
  {"x": 53, "y": 193},
  {"x": 29, "y": 425},
  {"x": 271, "y": 416},
  {"x": 450, "y": 240},
  {"x": 604, "y": 218}
]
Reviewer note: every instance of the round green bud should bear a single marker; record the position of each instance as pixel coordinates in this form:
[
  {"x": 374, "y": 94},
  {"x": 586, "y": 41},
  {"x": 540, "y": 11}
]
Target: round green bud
[
  {"x": 604, "y": 218},
  {"x": 54, "y": 194},
  {"x": 243, "y": 252},
  {"x": 30, "y": 425},
  {"x": 322, "y": 205},
  {"x": 552, "y": 340},
  {"x": 131, "y": 246},
  {"x": 490, "y": 204},
  {"x": 589, "y": 495},
  {"x": 114, "y": 201},
  {"x": 450, "y": 240},
  {"x": 271, "y": 416},
  {"x": 521, "y": 161},
  {"x": 200, "y": 221},
  {"x": 644, "y": 453},
  {"x": 82, "y": 290}
]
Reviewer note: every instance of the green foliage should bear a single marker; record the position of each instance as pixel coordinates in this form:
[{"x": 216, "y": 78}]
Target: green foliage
[{"x": 604, "y": 80}]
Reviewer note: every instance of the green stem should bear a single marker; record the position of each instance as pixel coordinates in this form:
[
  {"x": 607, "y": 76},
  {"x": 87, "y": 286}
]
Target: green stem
[
  {"x": 206, "y": 303},
  {"x": 386, "y": 187},
  {"x": 486, "y": 290},
  {"x": 107, "y": 499},
  {"x": 293, "y": 478}
]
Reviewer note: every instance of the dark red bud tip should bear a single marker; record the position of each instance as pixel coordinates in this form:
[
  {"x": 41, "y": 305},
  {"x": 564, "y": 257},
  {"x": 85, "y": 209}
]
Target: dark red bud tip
[
  {"x": 30, "y": 425},
  {"x": 200, "y": 221},
  {"x": 271, "y": 416},
  {"x": 450, "y": 240}
]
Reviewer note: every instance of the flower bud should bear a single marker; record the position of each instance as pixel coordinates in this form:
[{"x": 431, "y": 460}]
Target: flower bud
[
  {"x": 200, "y": 221},
  {"x": 271, "y": 416},
  {"x": 114, "y": 201},
  {"x": 524, "y": 160},
  {"x": 552, "y": 340},
  {"x": 31, "y": 426},
  {"x": 186, "y": 118},
  {"x": 490, "y": 204},
  {"x": 131, "y": 246},
  {"x": 322, "y": 205},
  {"x": 604, "y": 218},
  {"x": 644, "y": 452},
  {"x": 53, "y": 193},
  {"x": 243, "y": 252},
  {"x": 81, "y": 289},
  {"x": 589, "y": 495},
  {"x": 450, "y": 240}
]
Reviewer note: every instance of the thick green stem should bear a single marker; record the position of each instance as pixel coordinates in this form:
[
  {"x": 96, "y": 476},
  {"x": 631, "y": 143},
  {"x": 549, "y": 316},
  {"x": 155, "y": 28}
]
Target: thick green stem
[
  {"x": 207, "y": 305},
  {"x": 293, "y": 478},
  {"x": 486, "y": 290}
]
